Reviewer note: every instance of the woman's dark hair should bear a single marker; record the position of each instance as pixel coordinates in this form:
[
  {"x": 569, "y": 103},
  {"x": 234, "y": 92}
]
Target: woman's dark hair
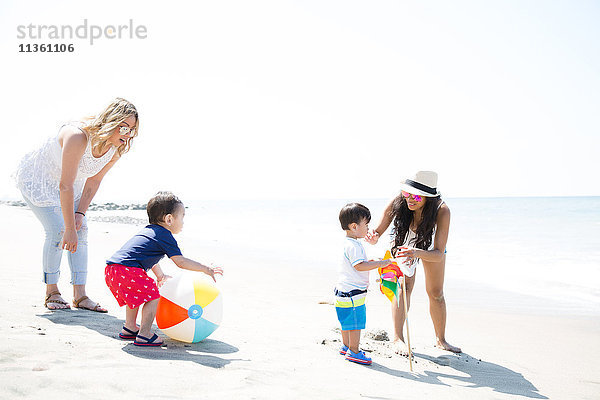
[
  {"x": 403, "y": 217},
  {"x": 160, "y": 205},
  {"x": 353, "y": 213}
]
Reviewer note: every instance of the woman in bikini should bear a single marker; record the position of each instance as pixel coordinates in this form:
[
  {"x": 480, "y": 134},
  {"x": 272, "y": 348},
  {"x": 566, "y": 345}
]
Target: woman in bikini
[{"x": 421, "y": 221}]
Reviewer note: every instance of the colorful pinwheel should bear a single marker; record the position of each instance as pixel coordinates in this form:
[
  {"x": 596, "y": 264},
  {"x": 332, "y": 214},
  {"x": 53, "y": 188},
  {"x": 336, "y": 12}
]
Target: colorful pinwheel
[{"x": 390, "y": 279}]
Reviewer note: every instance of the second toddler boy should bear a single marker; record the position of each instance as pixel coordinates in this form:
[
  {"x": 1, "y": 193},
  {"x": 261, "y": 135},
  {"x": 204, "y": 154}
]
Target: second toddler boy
[{"x": 353, "y": 281}]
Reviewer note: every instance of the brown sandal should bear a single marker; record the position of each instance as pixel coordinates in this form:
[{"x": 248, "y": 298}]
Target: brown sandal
[
  {"x": 47, "y": 300},
  {"x": 96, "y": 308}
]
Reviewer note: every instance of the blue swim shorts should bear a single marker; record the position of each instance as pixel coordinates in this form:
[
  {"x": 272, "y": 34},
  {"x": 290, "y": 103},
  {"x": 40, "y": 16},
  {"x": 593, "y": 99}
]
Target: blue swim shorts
[{"x": 351, "y": 310}]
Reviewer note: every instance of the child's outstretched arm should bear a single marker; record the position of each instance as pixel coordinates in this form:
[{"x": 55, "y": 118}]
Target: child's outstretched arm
[
  {"x": 186, "y": 263},
  {"x": 386, "y": 219},
  {"x": 160, "y": 275},
  {"x": 369, "y": 265}
]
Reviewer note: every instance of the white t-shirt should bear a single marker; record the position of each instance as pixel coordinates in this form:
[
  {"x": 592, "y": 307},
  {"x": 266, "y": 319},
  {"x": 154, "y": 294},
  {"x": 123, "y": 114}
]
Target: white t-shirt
[{"x": 349, "y": 278}]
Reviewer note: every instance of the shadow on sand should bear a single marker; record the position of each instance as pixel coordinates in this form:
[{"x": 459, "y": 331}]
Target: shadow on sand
[
  {"x": 196, "y": 352},
  {"x": 483, "y": 374},
  {"x": 109, "y": 326}
]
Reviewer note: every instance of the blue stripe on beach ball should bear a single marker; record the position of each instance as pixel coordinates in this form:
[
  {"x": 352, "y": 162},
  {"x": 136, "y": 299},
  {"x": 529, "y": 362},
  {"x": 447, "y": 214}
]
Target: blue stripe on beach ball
[{"x": 203, "y": 329}]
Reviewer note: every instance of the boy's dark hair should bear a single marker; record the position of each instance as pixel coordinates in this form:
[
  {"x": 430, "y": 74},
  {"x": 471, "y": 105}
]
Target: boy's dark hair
[
  {"x": 353, "y": 213},
  {"x": 160, "y": 205}
]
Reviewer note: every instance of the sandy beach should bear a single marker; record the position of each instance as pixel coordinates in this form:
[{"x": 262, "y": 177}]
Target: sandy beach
[{"x": 278, "y": 339}]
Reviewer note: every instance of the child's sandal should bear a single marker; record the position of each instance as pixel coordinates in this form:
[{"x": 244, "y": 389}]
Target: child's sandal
[
  {"x": 130, "y": 335},
  {"x": 150, "y": 342}
]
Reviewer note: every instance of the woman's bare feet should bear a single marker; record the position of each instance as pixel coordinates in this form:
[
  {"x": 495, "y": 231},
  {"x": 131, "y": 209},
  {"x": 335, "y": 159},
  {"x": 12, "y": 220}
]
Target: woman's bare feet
[
  {"x": 442, "y": 344},
  {"x": 400, "y": 347}
]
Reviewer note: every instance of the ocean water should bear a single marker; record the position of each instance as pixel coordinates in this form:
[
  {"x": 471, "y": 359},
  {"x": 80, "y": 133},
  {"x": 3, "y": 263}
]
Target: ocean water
[{"x": 547, "y": 248}]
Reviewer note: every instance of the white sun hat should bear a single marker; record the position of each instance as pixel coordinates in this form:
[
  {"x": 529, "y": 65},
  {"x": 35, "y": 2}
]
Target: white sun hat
[{"x": 423, "y": 183}]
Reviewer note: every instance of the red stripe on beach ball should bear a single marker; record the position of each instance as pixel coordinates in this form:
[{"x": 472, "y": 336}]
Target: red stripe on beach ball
[{"x": 169, "y": 314}]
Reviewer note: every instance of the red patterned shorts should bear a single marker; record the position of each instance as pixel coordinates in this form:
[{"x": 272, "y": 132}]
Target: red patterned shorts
[{"x": 131, "y": 286}]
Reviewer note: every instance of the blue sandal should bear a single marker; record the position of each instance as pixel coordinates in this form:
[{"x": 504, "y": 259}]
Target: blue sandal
[
  {"x": 359, "y": 357},
  {"x": 131, "y": 334},
  {"x": 148, "y": 342},
  {"x": 343, "y": 350}
]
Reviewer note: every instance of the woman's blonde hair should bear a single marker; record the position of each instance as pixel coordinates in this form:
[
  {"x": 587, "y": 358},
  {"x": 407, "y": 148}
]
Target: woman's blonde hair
[{"x": 100, "y": 127}]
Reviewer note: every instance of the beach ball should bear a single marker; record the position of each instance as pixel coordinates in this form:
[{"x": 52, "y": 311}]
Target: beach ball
[{"x": 190, "y": 308}]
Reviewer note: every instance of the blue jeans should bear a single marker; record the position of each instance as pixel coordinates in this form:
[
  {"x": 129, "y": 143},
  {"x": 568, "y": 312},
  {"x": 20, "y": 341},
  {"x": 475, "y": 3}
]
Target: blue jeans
[{"x": 54, "y": 225}]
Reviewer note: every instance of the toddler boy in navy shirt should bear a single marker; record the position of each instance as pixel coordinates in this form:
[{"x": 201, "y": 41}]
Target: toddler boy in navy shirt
[{"x": 126, "y": 271}]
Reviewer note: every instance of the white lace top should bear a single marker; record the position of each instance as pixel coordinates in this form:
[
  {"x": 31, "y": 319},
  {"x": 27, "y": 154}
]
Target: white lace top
[{"x": 38, "y": 174}]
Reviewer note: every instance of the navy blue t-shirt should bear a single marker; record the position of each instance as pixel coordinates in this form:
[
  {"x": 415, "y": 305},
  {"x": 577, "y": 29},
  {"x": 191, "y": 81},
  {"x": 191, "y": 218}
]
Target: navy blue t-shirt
[{"x": 146, "y": 248}]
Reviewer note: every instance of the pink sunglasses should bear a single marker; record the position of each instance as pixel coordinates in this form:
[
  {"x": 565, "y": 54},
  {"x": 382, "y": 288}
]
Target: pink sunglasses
[{"x": 415, "y": 197}]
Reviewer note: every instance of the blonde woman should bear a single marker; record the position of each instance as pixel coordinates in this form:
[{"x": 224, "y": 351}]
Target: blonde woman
[{"x": 58, "y": 182}]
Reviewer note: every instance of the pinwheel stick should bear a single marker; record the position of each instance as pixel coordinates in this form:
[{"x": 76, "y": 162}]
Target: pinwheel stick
[{"x": 406, "y": 319}]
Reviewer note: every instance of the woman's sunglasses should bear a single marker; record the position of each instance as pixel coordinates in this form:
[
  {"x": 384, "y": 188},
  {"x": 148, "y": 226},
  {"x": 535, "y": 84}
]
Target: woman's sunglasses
[
  {"x": 415, "y": 197},
  {"x": 124, "y": 130}
]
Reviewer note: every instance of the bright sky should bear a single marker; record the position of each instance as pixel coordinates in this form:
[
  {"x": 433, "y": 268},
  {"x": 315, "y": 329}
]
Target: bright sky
[{"x": 320, "y": 99}]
